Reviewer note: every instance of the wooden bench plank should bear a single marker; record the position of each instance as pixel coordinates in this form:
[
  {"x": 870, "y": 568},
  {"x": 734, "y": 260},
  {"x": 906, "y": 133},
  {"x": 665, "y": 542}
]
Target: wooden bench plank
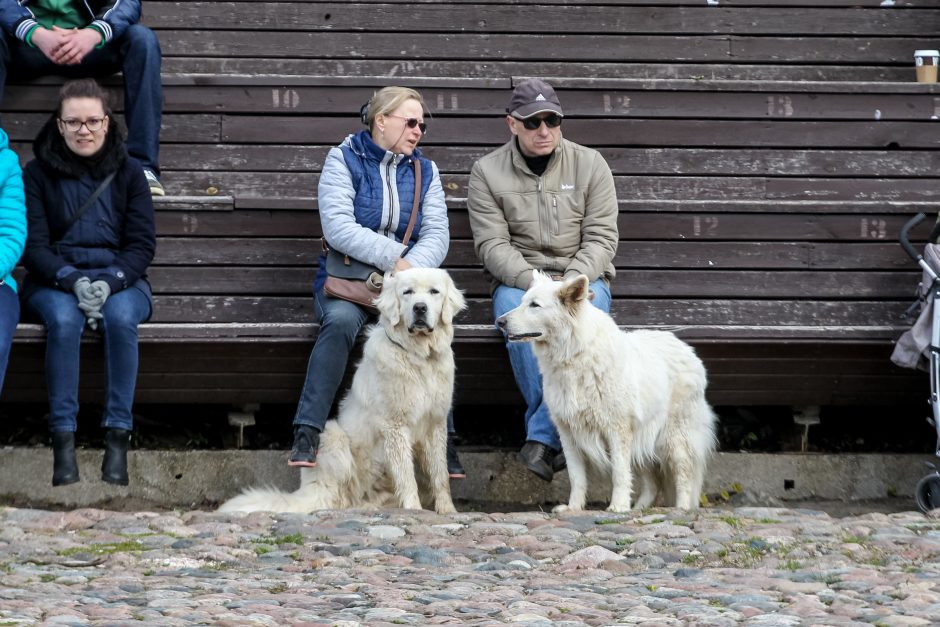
[
  {"x": 497, "y": 72},
  {"x": 633, "y": 312},
  {"x": 609, "y": 132},
  {"x": 629, "y": 284},
  {"x": 688, "y": 161},
  {"x": 540, "y": 47},
  {"x": 575, "y": 18},
  {"x": 660, "y": 99},
  {"x": 244, "y": 185}
]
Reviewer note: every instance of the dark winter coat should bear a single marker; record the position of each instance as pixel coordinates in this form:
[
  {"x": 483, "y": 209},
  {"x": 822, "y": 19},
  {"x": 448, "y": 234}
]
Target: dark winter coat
[{"x": 113, "y": 241}]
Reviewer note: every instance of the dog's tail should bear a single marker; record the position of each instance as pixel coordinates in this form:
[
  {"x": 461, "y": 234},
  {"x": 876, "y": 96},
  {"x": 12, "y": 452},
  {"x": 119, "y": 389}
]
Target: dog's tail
[
  {"x": 265, "y": 500},
  {"x": 326, "y": 486}
]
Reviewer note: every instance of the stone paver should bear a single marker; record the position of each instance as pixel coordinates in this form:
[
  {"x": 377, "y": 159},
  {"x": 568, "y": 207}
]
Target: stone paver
[{"x": 754, "y": 566}]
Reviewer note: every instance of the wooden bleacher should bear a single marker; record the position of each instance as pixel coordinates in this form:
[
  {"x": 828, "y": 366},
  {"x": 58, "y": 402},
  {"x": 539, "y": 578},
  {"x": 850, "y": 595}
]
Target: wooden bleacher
[{"x": 765, "y": 152}]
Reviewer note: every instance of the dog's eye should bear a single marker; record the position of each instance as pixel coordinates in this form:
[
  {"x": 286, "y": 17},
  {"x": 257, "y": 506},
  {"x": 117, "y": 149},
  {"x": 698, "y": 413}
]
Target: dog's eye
[
  {"x": 534, "y": 305},
  {"x": 434, "y": 290},
  {"x": 408, "y": 292}
]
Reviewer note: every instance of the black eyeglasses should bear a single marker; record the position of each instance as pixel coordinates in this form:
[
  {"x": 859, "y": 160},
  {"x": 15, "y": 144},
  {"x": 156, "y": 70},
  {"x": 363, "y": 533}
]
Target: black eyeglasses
[
  {"x": 411, "y": 122},
  {"x": 92, "y": 124},
  {"x": 552, "y": 120}
]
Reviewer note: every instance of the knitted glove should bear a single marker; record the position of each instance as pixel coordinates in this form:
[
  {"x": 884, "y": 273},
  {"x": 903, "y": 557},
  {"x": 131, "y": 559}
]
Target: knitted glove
[
  {"x": 82, "y": 291},
  {"x": 100, "y": 291}
]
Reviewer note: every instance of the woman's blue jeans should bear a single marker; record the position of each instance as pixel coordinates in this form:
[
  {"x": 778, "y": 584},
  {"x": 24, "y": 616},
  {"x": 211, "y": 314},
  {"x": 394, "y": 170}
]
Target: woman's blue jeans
[
  {"x": 340, "y": 323},
  {"x": 65, "y": 323},
  {"x": 525, "y": 367},
  {"x": 9, "y": 316}
]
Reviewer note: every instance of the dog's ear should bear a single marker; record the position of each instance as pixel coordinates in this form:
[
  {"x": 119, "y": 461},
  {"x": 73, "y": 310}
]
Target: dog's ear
[
  {"x": 539, "y": 277},
  {"x": 454, "y": 301},
  {"x": 573, "y": 291},
  {"x": 387, "y": 302}
]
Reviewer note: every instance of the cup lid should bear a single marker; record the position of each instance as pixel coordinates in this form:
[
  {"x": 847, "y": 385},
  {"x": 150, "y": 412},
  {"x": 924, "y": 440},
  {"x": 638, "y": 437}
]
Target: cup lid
[{"x": 927, "y": 53}]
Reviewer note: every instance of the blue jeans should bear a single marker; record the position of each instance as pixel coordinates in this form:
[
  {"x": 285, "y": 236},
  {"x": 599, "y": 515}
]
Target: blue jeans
[
  {"x": 525, "y": 368},
  {"x": 136, "y": 53},
  {"x": 340, "y": 323},
  {"x": 9, "y": 316},
  {"x": 65, "y": 323}
]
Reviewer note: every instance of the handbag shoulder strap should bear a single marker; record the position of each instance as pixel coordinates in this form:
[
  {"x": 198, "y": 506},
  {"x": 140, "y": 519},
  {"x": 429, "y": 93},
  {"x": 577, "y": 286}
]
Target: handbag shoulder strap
[
  {"x": 414, "y": 207},
  {"x": 88, "y": 203}
]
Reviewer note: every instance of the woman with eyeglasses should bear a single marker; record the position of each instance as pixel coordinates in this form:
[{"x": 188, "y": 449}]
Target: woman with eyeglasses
[
  {"x": 12, "y": 240},
  {"x": 366, "y": 195},
  {"x": 91, "y": 239}
]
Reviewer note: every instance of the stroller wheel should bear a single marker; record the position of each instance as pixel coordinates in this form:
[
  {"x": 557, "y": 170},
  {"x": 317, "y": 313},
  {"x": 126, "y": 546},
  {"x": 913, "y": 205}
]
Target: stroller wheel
[{"x": 927, "y": 492}]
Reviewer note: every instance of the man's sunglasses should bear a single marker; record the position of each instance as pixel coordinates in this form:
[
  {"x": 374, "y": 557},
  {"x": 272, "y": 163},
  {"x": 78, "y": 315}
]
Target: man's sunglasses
[
  {"x": 553, "y": 120},
  {"x": 411, "y": 122}
]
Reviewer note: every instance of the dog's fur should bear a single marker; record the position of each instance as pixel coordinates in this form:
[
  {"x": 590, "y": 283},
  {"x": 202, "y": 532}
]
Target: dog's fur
[
  {"x": 622, "y": 401},
  {"x": 394, "y": 414}
]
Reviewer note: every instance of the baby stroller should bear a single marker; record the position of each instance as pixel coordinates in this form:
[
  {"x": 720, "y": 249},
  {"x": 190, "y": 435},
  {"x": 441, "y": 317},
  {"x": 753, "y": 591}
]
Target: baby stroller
[{"x": 919, "y": 347}]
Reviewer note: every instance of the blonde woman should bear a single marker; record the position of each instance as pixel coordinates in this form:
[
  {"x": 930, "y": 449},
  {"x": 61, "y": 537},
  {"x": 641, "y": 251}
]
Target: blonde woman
[{"x": 366, "y": 194}]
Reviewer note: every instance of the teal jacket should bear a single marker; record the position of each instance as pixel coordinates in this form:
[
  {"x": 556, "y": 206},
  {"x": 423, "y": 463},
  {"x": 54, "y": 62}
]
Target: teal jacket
[{"x": 12, "y": 211}]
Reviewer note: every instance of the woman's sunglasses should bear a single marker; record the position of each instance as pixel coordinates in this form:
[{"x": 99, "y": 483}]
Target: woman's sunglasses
[
  {"x": 553, "y": 120},
  {"x": 411, "y": 122}
]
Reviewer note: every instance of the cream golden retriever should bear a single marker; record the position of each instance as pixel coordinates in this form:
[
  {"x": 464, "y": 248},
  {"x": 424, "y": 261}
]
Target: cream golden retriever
[
  {"x": 621, "y": 401},
  {"x": 394, "y": 415}
]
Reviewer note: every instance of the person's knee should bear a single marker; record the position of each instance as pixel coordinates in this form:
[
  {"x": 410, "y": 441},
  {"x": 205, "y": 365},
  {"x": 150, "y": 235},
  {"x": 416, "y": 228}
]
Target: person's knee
[
  {"x": 141, "y": 38},
  {"x": 63, "y": 322},
  {"x": 120, "y": 319},
  {"x": 345, "y": 321}
]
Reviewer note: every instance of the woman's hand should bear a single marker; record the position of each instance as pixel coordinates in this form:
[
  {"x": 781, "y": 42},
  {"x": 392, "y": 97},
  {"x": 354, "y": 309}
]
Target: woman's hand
[{"x": 401, "y": 264}]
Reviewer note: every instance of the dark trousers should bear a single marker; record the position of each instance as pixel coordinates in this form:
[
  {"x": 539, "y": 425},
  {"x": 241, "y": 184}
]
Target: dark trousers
[
  {"x": 9, "y": 316},
  {"x": 136, "y": 53}
]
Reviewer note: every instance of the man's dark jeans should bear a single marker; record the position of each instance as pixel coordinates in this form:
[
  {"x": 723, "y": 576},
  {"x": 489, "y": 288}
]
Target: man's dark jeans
[{"x": 136, "y": 53}]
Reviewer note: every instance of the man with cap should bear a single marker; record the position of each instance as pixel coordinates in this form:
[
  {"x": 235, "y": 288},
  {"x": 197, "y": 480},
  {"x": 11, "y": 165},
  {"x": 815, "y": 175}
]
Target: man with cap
[{"x": 541, "y": 202}]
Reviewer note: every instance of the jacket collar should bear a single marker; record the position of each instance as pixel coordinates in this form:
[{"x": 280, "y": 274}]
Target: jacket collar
[
  {"x": 518, "y": 161},
  {"x": 361, "y": 143}
]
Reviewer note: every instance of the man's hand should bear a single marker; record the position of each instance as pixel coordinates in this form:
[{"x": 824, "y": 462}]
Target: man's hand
[
  {"x": 49, "y": 41},
  {"x": 76, "y": 45}
]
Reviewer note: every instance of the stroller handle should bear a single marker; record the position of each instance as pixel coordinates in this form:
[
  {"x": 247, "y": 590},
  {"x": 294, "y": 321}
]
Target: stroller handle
[{"x": 905, "y": 240}]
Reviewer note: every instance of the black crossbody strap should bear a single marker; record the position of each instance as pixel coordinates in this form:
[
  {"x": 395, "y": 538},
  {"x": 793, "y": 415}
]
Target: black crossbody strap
[{"x": 88, "y": 203}]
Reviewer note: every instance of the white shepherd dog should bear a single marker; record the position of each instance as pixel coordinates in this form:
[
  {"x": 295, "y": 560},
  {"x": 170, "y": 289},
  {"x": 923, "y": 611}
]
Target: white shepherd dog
[
  {"x": 621, "y": 401},
  {"x": 395, "y": 413}
]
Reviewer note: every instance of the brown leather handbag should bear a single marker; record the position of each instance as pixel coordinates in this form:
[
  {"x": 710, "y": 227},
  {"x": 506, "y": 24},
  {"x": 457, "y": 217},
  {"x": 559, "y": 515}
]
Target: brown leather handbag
[{"x": 358, "y": 282}]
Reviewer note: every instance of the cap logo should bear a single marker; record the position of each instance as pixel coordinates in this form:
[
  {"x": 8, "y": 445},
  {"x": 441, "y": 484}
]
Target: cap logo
[{"x": 540, "y": 98}]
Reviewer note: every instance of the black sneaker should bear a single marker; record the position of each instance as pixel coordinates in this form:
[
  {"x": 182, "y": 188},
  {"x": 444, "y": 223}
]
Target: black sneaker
[
  {"x": 538, "y": 458},
  {"x": 306, "y": 445},
  {"x": 454, "y": 467}
]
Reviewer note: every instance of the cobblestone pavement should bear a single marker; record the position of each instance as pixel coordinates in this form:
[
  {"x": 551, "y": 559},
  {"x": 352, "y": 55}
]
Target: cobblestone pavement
[{"x": 743, "y": 566}]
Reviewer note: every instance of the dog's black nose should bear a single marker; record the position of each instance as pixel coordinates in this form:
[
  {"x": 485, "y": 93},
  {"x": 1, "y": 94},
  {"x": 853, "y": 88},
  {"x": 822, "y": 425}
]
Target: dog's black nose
[
  {"x": 420, "y": 309},
  {"x": 501, "y": 322}
]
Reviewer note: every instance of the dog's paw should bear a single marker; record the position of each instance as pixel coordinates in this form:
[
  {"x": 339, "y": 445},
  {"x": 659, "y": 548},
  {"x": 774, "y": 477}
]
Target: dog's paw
[
  {"x": 619, "y": 508},
  {"x": 446, "y": 508},
  {"x": 566, "y": 507}
]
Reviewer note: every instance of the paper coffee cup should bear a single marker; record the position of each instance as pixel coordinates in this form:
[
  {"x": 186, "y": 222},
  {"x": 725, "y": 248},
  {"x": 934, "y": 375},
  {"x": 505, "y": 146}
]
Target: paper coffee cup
[{"x": 925, "y": 64}]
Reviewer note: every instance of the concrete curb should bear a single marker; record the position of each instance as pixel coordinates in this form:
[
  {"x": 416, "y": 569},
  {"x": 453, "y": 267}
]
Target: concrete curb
[{"x": 202, "y": 479}]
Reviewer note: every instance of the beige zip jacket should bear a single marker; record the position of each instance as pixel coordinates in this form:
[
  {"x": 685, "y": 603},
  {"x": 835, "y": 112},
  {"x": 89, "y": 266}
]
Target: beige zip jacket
[{"x": 563, "y": 222}]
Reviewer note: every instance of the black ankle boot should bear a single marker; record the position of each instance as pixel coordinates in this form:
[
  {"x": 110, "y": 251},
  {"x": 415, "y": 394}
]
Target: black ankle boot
[
  {"x": 114, "y": 465},
  {"x": 64, "y": 464}
]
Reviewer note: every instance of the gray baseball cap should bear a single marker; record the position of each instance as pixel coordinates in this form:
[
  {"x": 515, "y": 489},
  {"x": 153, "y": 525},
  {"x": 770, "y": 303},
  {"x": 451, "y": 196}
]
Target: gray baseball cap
[{"x": 533, "y": 96}]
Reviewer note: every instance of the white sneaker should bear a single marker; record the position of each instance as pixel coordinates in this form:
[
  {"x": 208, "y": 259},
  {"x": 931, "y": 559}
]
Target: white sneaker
[{"x": 156, "y": 189}]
